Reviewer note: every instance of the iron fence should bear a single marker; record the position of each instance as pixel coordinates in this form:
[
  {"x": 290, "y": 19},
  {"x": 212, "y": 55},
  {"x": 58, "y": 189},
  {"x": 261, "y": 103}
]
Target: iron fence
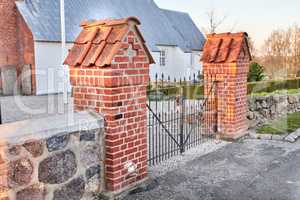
[{"x": 176, "y": 119}]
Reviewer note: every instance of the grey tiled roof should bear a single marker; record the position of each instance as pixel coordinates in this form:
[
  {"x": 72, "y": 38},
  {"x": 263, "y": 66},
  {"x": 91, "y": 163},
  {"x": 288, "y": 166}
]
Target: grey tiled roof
[{"x": 159, "y": 26}]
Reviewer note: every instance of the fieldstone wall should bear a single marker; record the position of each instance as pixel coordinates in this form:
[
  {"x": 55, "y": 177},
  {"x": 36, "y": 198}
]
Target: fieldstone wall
[
  {"x": 265, "y": 108},
  {"x": 64, "y": 164}
]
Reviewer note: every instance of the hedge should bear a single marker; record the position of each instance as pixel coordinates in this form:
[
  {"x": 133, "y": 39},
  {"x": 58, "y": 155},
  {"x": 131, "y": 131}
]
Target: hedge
[
  {"x": 196, "y": 91},
  {"x": 273, "y": 85}
]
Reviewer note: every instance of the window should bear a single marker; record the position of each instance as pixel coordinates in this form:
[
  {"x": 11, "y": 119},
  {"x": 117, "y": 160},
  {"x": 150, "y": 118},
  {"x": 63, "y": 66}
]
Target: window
[{"x": 163, "y": 58}]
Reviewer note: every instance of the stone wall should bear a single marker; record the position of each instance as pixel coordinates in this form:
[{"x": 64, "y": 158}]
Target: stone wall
[
  {"x": 265, "y": 108},
  {"x": 54, "y": 158}
]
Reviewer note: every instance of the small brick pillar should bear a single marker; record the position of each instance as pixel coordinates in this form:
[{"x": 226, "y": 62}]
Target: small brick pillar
[
  {"x": 109, "y": 71},
  {"x": 226, "y": 60}
]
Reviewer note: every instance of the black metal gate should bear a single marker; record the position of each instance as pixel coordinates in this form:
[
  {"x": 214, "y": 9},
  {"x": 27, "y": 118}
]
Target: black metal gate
[{"x": 176, "y": 119}]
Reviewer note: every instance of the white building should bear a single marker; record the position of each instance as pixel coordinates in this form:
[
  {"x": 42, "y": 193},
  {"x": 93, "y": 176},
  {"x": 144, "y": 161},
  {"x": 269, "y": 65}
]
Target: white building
[{"x": 175, "y": 41}]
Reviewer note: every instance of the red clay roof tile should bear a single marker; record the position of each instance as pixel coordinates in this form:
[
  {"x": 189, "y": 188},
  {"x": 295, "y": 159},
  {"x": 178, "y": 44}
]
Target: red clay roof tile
[
  {"x": 93, "y": 54},
  {"x": 99, "y": 41},
  {"x": 224, "y": 47},
  {"x": 102, "y": 35}
]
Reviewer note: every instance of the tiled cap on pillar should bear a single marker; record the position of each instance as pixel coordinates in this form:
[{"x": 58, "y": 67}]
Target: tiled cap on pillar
[
  {"x": 109, "y": 72},
  {"x": 101, "y": 40},
  {"x": 226, "y": 59},
  {"x": 226, "y": 47}
]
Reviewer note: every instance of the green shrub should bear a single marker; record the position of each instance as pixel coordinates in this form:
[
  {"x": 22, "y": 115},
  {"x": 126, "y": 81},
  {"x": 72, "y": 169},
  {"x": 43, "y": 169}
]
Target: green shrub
[
  {"x": 298, "y": 73},
  {"x": 256, "y": 72}
]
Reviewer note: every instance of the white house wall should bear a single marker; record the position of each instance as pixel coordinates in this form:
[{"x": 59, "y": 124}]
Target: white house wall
[
  {"x": 178, "y": 64},
  {"x": 49, "y": 70}
]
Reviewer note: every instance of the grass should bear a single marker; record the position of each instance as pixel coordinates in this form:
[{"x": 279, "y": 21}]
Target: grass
[
  {"x": 285, "y": 125},
  {"x": 288, "y": 92}
]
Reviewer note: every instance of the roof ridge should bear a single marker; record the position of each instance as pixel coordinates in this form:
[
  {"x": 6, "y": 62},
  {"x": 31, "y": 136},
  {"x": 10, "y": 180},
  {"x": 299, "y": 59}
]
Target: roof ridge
[
  {"x": 109, "y": 22},
  {"x": 176, "y": 11}
]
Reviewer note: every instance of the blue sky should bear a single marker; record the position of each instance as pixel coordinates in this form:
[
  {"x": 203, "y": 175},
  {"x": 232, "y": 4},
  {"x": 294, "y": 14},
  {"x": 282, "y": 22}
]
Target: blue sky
[{"x": 257, "y": 17}]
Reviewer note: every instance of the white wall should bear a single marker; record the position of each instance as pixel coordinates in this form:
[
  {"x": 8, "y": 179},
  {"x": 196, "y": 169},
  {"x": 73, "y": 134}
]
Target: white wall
[
  {"x": 49, "y": 70},
  {"x": 178, "y": 64}
]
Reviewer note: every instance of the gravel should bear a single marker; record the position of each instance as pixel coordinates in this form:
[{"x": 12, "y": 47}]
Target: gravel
[{"x": 191, "y": 154}]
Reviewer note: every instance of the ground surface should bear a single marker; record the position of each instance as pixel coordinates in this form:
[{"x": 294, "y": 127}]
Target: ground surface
[{"x": 250, "y": 170}]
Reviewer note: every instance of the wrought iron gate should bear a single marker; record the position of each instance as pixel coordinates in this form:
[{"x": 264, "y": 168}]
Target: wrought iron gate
[{"x": 176, "y": 120}]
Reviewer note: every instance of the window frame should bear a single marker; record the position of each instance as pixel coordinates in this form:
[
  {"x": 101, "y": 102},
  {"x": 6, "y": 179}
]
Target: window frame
[{"x": 163, "y": 57}]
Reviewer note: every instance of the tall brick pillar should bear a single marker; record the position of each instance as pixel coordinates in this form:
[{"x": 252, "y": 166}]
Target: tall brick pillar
[
  {"x": 109, "y": 71},
  {"x": 226, "y": 60}
]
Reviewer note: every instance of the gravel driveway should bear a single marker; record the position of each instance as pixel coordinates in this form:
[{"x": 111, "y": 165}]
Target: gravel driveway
[{"x": 250, "y": 170}]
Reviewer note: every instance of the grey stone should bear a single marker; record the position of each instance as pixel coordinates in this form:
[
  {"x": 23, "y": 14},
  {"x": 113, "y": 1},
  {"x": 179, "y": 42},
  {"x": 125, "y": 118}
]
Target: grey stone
[
  {"x": 15, "y": 150},
  {"x": 74, "y": 190},
  {"x": 294, "y": 135},
  {"x": 250, "y": 115},
  {"x": 90, "y": 155},
  {"x": 92, "y": 185},
  {"x": 265, "y": 113},
  {"x": 277, "y": 137},
  {"x": 20, "y": 172},
  {"x": 281, "y": 107},
  {"x": 290, "y": 139},
  {"x": 276, "y": 98},
  {"x": 251, "y": 104},
  {"x": 35, "y": 148},
  {"x": 9, "y": 78},
  {"x": 273, "y": 109},
  {"x": 265, "y": 136},
  {"x": 58, "y": 168},
  {"x": 88, "y": 135},
  {"x": 298, "y": 132},
  {"x": 264, "y": 104},
  {"x": 258, "y": 106},
  {"x": 26, "y": 80},
  {"x": 92, "y": 171},
  {"x": 35, "y": 192},
  {"x": 57, "y": 142},
  {"x": 292, "y": 99}
]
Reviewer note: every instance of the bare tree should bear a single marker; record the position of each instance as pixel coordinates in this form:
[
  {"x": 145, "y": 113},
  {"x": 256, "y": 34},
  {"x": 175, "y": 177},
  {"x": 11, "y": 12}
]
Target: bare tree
[
  {"x": 282, "y": 53},
  {"x": 214, "y": 21}
]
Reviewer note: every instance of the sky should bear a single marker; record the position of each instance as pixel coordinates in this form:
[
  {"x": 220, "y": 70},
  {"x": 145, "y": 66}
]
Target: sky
[{"x": 257, "y": 17}]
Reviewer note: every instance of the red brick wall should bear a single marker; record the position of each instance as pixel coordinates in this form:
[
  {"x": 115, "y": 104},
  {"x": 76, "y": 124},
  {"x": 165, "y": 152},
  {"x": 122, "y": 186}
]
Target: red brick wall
[
  {"x": 119, "y": 92},
  {"x": 231, "y": 95},
  {"x": 16, "y": 40},
  {"x": 8, "y": 33}
]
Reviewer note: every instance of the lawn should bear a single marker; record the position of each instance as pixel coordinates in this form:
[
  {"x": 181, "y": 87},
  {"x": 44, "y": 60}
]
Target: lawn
[{"x": 285, "y": 125}]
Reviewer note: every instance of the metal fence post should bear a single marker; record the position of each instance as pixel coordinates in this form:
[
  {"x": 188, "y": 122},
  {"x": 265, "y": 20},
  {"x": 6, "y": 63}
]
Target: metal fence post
[
  {"x": 181, "y": 137},
  {"x": 0, "y": 114}
]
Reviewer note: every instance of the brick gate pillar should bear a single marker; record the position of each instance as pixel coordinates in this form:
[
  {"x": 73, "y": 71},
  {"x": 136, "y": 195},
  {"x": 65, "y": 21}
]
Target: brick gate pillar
[
  {"x": 226, "y": 60},
  {"x": 109, "y": 71}
]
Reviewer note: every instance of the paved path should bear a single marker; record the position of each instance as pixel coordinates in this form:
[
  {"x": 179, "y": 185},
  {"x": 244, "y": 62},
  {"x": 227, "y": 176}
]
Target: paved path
[{"x": 251, "y": 170}]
